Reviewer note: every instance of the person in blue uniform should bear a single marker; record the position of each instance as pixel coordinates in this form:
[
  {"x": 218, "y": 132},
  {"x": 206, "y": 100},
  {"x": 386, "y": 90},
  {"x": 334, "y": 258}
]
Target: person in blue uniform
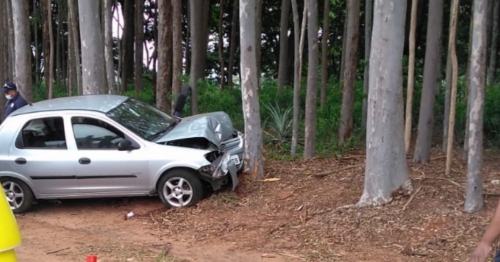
[{"x": 14, "y": 98}]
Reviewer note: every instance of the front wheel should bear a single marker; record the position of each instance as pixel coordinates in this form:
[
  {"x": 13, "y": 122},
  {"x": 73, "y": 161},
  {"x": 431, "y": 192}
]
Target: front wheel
[
  {"x": 180, "y": 188},
  {"x": 19, "y": 195}
]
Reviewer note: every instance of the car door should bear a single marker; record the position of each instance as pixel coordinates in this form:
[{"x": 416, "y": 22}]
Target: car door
[
  {"x": 100, "y": 167},
  {"x": 41, "y": 154}
]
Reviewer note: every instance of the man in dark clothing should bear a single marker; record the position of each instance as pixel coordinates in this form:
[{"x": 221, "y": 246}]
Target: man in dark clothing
[{"x": 14, "y": 98}]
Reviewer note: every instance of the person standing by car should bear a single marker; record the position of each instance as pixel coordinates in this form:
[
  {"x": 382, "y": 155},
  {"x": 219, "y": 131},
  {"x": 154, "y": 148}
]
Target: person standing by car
[
  {"x": 491, "y": 234},
  {"x": 14, "y": 98}
]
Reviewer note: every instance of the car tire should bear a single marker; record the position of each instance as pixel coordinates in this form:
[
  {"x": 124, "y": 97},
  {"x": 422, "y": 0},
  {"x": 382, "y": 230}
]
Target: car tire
[
  {"x": 180, "y": 188},
  {"x": 18, "y": 193}
]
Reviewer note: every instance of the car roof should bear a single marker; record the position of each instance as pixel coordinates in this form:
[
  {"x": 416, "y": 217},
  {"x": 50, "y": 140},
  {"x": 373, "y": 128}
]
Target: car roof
[{"x": 100, "y": 103}]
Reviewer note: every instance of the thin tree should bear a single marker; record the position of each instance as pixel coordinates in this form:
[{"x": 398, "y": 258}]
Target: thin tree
[
  {"x": 22, "y": 71},
  {"x": 176, "y": 46},
  {"x": 474, "y": 192},
  {"x": 93, "y": 73},
  {"x": 250, "y": 91},
  {"x": 312, "y": 79},
  {"x": 494, "y": 43},
  {"x": 139, "y": 35},
  {"x": 386, "y": 167},
  {"x": 50, "y": 79},
  {"x": 220, "y": 48},
  {"x": 452, "y": 54},
  {"x": 164, "y": 78},
  {"x": 283, "y": 66},
  {"x": 4, "y": 49},
  {"x": 411, "y": 75},
  {"x": 368, "y": 43},
  {"x": 233, "y": 43},
  {"x": 73, "y": 16},
  {"x": 297, "y": 79},
  {"x": 108, "y": 46},
  {"x": 324, "y": 51}
]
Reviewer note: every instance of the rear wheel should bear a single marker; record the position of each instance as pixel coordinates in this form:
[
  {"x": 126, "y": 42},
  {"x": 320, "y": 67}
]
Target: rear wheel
[
  {"x": 19, "y": 195},
  {"x": 180, "y": 188}
]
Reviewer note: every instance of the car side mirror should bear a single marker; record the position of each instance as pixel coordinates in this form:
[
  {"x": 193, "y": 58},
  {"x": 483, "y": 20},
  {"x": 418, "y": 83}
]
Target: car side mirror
[{"x": 126, "y": 145}]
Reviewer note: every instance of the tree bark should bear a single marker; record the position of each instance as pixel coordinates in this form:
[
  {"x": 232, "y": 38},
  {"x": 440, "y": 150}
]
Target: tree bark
[
  {"x": 11, "y": 36},
  {"x": 127, "y": 55},
  {"x": 350, "y": 64},
  {"x": 22, "y": 71},
  {"x": 50, "y": 74},
  {"x": 139, "y": 36},
  {"x": 72, "y": 83},
  {"x": 177, "y": 46},
  {"x": 4, "y": 50},
  {"x": 312, "y": 79},
  {"x": 232, "y": 43},
  {"x": 386, "y": 167},
  {"x": 164, "y": 78},
  {"x": 221, "y": 44},
  {"x": 324, "y": 52},
  {"x": 46, "y": 42},
  {"x": 258, "y": 37},
  {"x": 411, "y": 79},
  {"x": 452, "y": 55},
  {"x": 108, "y": 46},
  {"x": 449, "y": 84},
  {"x": 283, "y": 66},
  {"x": 93, "y": 73},
  {"x": 494, "y": 44},
  {"x": 250, "y": 91},
  {"x": 465, "y": 153},
  {"x": 368, "y": 42},
  {"x": 474, "y": 191},
  {"x": 73, "y": 15},
  {"x": 432, "y": 54}
]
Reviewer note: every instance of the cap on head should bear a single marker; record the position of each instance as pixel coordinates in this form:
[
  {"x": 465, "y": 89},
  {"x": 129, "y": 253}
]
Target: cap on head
[{"x": 8, "y": 86}]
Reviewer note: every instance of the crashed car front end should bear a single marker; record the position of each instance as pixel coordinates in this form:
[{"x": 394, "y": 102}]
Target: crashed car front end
[{"x": 221, "y": 172}]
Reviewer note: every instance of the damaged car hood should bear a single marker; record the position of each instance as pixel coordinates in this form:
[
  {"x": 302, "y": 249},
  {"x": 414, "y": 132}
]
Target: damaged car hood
[{"x": 215, "y": 127}]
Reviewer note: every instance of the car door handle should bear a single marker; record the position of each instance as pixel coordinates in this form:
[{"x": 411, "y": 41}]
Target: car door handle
[
  {"x": 84, "y": 161},
  {"x": 20, "y": 161}
]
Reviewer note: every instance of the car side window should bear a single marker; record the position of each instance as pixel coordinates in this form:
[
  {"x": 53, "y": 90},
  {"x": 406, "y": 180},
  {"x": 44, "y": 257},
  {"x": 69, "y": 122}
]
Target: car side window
[
  {"x": 42, "y": 133},
  {"x": 92, "y": 134}
]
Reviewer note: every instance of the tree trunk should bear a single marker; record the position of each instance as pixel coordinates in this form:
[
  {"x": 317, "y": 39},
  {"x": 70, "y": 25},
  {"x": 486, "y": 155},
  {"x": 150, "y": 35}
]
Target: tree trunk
[
  {"x": 386, "y": 167},
  {"x": 342, "y": 58},
  {"x": 198, "y": 47},
  {"x": 299, "y": 43},
  {"x": 411, "y": 80},
  {"x": 465, "y": 153},
  {"x": 221, "y": 44},
  {"x": 453, "y": 68},
  {"x": 350, "y": 63},
  {"x": 139, "y": 35},
  {"x": 312, "y": 79},
  {"x": 36, "y": 13},
  {"x": 93, "y": 74},
  {"x": 71, "y": 60},
  {"x": 4, "y": 50},
  {"x": 46, "y": 41},
  {"x": 22, "y": 42},
  {"x": 56, "y": 58},
  {"x": 73, "y": 15},
  {"x": 250, "y": 91},
  {"x": 164, "y": 77},
  {"x": 12, "y": 45},
  {"x": 432, "y": 53},
  {"x": 448, "y": 91},
  {"x": 474, "y": 195},
  {"x": 128, "y": 44},
  {"x": 232, "y": 43},
  {"x": 108, "y": 46},
  {"x": 283, "y": 66},
  {"x": 258, "y": 37},
  {"x": 177, "y": 46},
  {"x": 368, "y": 42},
  {"x": 494, "y": 44},
  {"x": 324, "y": 52},
  {"x": 50, "y": 74}
]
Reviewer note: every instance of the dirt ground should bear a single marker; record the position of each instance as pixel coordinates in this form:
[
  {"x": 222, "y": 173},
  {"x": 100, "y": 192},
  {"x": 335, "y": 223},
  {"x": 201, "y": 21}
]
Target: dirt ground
[{"x": 300, "y": 215}]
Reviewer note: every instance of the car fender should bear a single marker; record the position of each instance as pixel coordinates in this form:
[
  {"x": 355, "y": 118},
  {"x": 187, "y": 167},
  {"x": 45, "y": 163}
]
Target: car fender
[
  {"x": 175, "y": 164},
  {"x": 28, "y": 182}
]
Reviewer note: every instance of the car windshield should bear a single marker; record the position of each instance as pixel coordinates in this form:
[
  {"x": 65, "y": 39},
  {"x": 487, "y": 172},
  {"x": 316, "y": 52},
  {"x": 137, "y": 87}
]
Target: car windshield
[{"x": 142, "y": 119}]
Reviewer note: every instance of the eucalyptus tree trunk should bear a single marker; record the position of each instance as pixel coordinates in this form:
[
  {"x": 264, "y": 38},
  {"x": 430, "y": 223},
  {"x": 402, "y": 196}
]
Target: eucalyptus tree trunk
[
  {"x": 139, "y": 36},
  {"x": 492, "y": 67},
  {"x": 164, "y": 75},
  {"x": 12, "y": 53},
  {"x": 350, "y": 64},
  {"x": 221, "y": 44},
  {"x": 474, "y": 192},
  {"x": 232, "y": 43},
  {"x": 176, "y": 46},
  {"x": 386, "y": 167},
  {"x": 4, "y": 50},
  {"x": 282, "y": 63},
  {"x": 432, "y": 54},
  {"x": 50, "y": 41},
  {"x": 250, "y": 91},
  {"x": 324, "y": 52},
  {"x": 312, "y": 79},
  {"x": 108, "y": 46},
  {"x": 368, "y": 43},
  {"x": 73, "y": 16},
  {"x": 22, "y": 41},
  {"x": 93, "y": 73},
  {"x": 411, "y": 77}
]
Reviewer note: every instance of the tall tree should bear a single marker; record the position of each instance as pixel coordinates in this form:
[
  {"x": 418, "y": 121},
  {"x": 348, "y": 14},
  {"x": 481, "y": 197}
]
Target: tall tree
[
  {"x": 176, "y": 46},
  {"x": 368, "y": 43},
  {"x": 386, "y": 167},
  {"x": 93, "y": 73},
  {"x": 282, "y": 65},
  {"x": 494, "y": 43},
  {"x": 324, "y": 51},
  {"x": 250, "y": 90},
  {"x": 4, "y": 49},
  {"x": 233, "y": 43},
  {"x": 108, "y": 46},
  {"x": 139, "y": 36},
  {"x": 49, "y": 47},
  {"x": 411, "y": 75},
  {"x": 73, "y": 16},
  {"x": 22, "y": 71},
  {"x": 127, "y": 46},
  {"x": 349, "y": 78},
  {"x": 11, "y": 41},
  {"x": 164, "y": 78},
  {"x": 474, "y": 195},
  {"x": 312, "y": 79},
  {"x": 432, "y": 54},
  {"x": 221, "y": 44}
]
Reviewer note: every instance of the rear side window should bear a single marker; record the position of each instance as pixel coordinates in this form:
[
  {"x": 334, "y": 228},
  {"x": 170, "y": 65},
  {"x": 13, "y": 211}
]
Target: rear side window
[{"x": 42, "y": 133}]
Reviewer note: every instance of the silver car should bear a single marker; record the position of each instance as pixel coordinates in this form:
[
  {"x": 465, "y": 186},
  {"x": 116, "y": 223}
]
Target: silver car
[{"x": 114, "y": 146}]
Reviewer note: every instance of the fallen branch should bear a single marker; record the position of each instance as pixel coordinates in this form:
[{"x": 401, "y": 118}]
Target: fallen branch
[
  {"x": 336, "y": 171},
  {"x": 57, "y": 251},
  {"x": 411, "y": 198},
  {"x": 439, "y": 178}
]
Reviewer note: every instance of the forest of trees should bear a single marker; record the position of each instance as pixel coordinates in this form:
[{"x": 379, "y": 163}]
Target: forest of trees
[{"x": 307, "y": 78}]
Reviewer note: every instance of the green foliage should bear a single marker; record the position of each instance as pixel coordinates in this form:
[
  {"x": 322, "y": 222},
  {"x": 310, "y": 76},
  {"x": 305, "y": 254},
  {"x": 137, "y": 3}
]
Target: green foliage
[{"x": 279, "y": 123}]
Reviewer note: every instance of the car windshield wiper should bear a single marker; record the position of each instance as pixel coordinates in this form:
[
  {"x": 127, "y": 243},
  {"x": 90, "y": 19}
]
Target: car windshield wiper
[{"x": 161, "y": 132}]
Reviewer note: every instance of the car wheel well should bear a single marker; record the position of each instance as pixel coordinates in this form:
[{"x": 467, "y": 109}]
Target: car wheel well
[
  {"x": 190, "y": 170},
  {"x": 20, "y": 180}
]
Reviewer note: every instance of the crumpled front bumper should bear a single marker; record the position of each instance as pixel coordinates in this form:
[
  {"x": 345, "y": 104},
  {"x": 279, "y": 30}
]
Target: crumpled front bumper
[{"x": 231, "y": 177}]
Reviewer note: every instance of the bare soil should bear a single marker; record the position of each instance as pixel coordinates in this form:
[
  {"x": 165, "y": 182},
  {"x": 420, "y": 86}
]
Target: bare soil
[{"x": 300, "y": 212}]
